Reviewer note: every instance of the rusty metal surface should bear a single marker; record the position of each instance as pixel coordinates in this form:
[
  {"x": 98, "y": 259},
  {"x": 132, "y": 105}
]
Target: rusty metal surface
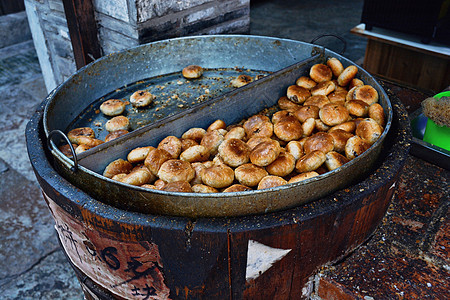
[
  {"x": 174, "y": 94},
  {"x": 228, "y": 107}
]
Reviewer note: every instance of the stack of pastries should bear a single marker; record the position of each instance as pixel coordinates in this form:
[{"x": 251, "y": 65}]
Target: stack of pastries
[{"x": 325, "y": 120}]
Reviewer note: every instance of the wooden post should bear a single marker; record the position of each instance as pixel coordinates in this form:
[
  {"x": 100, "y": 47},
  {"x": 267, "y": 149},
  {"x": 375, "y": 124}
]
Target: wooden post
[{"x": 83, "y": 31}]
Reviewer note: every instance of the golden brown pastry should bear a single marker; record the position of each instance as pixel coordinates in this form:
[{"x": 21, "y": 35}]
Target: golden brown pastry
[
  {"x": 295, "y": 148},
  {"x": 159, "y": 184},
  {"x": 138, "y": 176},
  {"x": 319, "y": 141},
  {"x": 303, "y": 176},
  {"x": 249, "y": 174},
  {"x": 366, "y": 93},
  {"x": 355, "y": 146},
  {"x": 141, "y": 98},
  {"x": 237, "y": 132},
  {"x": 333, "y": 114},
  {"x": 117, "y": 123},
  {"x": 338, "y": 97},
  {"x": 139, "y": 154},
  {"x": 196, "y": 153},
  {"x": 308, "y": 127},
  {"x": 357, "y": 108},
  {"x": 335, "y": 65},
  {"x": 197, "y": 166},
  {"x": 376, "y": 112},
  {"x": 288, "y": 129},
  {"x": 83, "y": 135},
  {"x": 317, "y": 100},
  {"x": 369, "y": 131},
  {"x": 340, "y": 138},
  {"x": 176, "y": 170},
  {"x": 271, "y": 181},
  {"x": 115, "y": 134},
  {"x": 265, "y": 153},
  {"x": 172, "y": 145},
  {"x": 279, "y": 115},
  {"x": 306, "y": 112},
  {"x": 305, "y": 82},
  {"x": 350, "y": 94},
  {"x": 219, "y": 176},
  {"x": 79, "y": 135},
  {"x": 349, "y": 126},
  {"x": 116, "y": 167},
  {"x": 297, "y": 94},
  {"x": 118, "y": 177},
  {"x": 320, "y": 126},
  {"x": 186, "y": 143},
  {"x": 178, "y": 186},
  {"x": 155, "y": 158},
  {"x": 355, "y": 82},
  {"x": 283, "y": 165},
  {"x": 258, "y": 125},
  {"x": 234, "y": 152},
  {"x": 256, "y": 140},
  {"x": 217, "y": 124},
  {"x": 149, "y": 186},
  {"x": 212, "y": 140},
  {"x": 323, "y": 88},
  {"x": 320, "y": 73},
  {"x": 310, "y": 162},
  {"x": 241, "y": 80},
  {"x": 202, "y": 188},
  {"x": 81, "y": 148},
  {"x": 347, "y": 75},
  {"x": 334, "y": 160},
  {"x": 192, "y": 72},
  {"x": 113, "y": 107},
  {"x": 195, "y": 134},
  {"x": 286, "y": 104},
  {"x": 65, "y": 149},
  {"x": 236, "y": 188}
]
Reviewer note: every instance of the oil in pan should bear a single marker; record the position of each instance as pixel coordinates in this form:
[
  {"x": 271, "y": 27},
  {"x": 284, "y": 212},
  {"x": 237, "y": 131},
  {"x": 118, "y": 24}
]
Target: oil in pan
[{"x": 173, "y": 94}]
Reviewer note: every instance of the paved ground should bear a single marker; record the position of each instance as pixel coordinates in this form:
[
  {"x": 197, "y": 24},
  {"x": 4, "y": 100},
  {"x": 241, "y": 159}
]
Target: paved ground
[
  {"x": 31, "y": 262},
  {"x": 32, "y": 266}
]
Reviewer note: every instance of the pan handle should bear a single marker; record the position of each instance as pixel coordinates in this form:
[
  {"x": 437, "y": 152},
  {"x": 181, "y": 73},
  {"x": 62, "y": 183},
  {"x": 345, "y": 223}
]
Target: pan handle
[
  {"x": 335, "y": 36},
  {"x": 52, "y": 133}
]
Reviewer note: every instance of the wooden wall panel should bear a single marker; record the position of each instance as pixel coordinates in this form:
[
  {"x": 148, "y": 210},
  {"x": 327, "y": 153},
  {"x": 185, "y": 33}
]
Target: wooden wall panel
[{"x": 407, "y": 66}]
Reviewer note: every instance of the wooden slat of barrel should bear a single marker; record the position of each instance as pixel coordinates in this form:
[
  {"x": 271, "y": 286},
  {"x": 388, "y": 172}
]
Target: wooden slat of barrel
[{"x": 208, "y": 258}]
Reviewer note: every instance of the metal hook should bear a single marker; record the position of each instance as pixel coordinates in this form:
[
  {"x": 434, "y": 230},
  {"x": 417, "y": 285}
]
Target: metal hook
[
  {"x": 332, "y": 35},
  {"x": 74, "y": 156}
]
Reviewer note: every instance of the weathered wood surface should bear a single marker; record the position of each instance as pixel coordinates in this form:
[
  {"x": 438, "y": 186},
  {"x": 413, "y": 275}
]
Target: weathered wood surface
[
  {"x": 208, "y": 258},
  {"x": 82, "y": 30},
  {"x": 407, "y": 66},
  {"x": 404, "y": 59}
]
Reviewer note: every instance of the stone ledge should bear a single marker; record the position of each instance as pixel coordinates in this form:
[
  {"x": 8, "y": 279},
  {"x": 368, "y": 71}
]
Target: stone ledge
[{"x": 15, "y": 29}]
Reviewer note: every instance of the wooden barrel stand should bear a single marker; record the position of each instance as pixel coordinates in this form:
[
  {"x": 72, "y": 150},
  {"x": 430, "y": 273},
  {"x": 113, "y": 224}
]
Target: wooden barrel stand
[{"x": 118, "y": 254}]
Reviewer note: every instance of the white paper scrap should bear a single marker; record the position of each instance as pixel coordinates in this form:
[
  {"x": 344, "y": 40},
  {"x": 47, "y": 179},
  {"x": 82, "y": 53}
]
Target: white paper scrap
[{"x": 260, "y": 258}]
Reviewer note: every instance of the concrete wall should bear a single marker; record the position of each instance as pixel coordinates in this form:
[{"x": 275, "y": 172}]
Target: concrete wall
[{"x": 127, "y": 23}]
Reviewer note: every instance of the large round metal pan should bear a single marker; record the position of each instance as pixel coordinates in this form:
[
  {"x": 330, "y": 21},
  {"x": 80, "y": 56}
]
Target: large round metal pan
[{"x": 119, "y": 70}]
